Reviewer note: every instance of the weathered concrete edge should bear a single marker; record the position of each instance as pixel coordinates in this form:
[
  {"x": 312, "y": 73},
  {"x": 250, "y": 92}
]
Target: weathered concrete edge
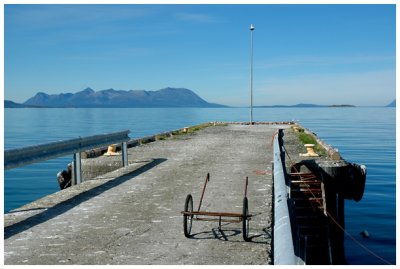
[
  {"x": 151, "y": 138},
  {"x": 332, "y": 152},
  {"x": 134, "y": 142}
]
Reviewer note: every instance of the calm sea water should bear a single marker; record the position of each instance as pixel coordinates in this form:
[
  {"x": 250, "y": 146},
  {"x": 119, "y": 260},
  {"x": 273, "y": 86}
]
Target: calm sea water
[{"x": 363, "y": 135}]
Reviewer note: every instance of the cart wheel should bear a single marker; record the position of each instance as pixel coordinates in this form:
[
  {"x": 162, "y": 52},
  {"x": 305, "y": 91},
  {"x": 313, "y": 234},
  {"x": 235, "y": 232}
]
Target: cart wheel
[
  {"x": 187, "y": 219},
  {"x": 245, "y": 220}
]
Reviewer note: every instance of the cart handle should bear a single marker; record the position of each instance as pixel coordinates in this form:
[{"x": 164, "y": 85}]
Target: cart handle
[
  {"x": 204, "y": 189},
  {"x": 245, "y": 187}
]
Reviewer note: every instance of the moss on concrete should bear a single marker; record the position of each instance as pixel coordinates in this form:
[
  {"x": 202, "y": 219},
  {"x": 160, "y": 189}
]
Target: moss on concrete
[
  {"x": 196, "y": 128},
  {"x": 305, "y": 138}
]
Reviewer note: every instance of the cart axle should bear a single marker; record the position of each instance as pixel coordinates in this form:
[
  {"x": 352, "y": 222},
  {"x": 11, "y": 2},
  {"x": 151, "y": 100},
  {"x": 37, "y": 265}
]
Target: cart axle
[{"x": 216, "y": 214}]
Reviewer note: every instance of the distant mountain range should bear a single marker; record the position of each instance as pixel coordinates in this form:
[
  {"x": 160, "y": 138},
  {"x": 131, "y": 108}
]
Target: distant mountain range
[
  {"x": 11, "y": 104},
  {"x": 168, "y": 97}
]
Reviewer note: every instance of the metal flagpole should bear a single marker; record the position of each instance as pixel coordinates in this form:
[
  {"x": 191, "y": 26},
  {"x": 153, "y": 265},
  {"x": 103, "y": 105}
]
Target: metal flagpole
[{"x": 251, "y": 73}]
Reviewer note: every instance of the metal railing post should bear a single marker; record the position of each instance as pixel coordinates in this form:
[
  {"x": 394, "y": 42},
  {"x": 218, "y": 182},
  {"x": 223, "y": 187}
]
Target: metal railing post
[
  {"x": 77, "y": 169},
  {"x": 124, "y": 154}
]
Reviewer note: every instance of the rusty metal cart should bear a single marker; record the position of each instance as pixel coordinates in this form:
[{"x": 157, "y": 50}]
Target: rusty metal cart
[{"x": 189, "y": 215}]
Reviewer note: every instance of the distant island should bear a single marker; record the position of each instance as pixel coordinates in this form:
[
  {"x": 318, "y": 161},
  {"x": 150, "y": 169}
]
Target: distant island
[
  {"x": 342, "y": 106},
  {"x": 303, "y": 106},
  {"x": 167, "y": 97},
  {"x": 392, "y": 104}
]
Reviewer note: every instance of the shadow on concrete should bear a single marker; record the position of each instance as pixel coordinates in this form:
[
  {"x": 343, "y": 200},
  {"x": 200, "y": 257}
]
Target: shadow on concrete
[
  {"x": 233, "y": 235},
  {"x": 65, "y": 206}
]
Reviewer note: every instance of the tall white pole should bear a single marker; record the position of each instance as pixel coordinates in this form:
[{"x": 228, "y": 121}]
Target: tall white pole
[{"x": 251, "y": 73}]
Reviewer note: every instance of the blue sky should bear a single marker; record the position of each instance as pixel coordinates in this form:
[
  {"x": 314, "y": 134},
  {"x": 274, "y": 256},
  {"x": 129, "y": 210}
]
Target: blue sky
[{"x": 323, "y": 54}]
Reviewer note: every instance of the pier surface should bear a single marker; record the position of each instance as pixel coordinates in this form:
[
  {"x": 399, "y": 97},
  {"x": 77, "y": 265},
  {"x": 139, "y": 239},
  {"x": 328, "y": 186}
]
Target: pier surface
[{"x": 132, "y": 215}]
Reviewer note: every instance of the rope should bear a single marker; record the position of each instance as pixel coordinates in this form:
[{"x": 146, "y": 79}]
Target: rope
[
  {"x": 273, "y": 137},
  {"x": 332, "y": 218}
]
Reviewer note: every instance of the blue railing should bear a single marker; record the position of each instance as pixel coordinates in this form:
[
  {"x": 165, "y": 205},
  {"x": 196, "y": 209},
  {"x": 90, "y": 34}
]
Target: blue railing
[{"x": 283, "y": 239}]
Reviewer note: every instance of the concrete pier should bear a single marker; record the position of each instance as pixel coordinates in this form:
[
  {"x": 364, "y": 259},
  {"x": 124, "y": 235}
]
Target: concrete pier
[{"x": 132, "y": 215}]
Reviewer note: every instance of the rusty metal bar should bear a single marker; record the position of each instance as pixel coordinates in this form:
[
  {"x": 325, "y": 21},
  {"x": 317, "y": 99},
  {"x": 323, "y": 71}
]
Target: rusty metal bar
[
  {"x": 245, "y": 187},
  {"x": 222, "y": 220},
  {"x": 301, "y": 174},
  {"x": 204, "y": 189},
  {"x": 216, "y": 214}
]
